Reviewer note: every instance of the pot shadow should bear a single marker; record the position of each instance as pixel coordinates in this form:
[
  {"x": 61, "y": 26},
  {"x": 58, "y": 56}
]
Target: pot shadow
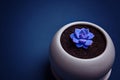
[{"x": 48, "y": 73}]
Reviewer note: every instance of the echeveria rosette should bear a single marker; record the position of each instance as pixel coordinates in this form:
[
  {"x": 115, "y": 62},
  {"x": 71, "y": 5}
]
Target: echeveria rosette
[{"x": 82, "y": 37}]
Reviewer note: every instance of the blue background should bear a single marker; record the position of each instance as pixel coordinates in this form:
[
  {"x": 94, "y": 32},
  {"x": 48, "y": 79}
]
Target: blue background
[{"x": 27, "y": 28}]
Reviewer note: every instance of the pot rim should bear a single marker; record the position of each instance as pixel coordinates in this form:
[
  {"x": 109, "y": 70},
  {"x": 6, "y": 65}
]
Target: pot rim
[{"x": 107, "y": 38}]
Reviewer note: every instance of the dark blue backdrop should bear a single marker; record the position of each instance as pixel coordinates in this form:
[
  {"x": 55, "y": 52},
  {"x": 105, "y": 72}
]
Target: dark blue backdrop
[{"x": 27, "y": 28}]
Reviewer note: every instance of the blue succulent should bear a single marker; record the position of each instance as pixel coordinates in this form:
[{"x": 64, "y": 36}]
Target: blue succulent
[{"x": 82, "y": 37}]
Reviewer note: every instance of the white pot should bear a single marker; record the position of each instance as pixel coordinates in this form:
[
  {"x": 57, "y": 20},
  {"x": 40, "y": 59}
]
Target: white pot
[{"x": 67, "y": 67}]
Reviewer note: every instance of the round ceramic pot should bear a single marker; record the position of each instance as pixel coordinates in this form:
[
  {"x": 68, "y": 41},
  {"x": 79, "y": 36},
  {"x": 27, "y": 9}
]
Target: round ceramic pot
[{"x": 67, "y": 67}]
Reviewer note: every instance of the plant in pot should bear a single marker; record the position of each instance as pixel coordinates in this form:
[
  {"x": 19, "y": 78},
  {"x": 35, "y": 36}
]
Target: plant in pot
[{"x": 82, "y": 51}]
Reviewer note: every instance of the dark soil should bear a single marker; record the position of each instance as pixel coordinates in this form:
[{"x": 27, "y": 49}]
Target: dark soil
[{"x": 97, "y": 48}]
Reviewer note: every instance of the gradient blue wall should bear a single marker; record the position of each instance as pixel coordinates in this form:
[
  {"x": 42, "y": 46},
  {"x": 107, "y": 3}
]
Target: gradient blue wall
[{"x": 27, "y": 28}]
